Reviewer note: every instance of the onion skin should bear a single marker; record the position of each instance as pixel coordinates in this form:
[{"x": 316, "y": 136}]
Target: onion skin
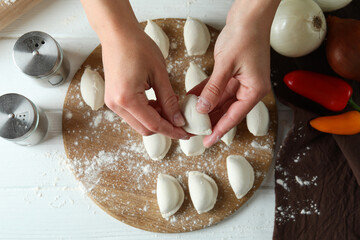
[
  {"x": 343, "y": 47},
  {"x": 298, "y": 28}
]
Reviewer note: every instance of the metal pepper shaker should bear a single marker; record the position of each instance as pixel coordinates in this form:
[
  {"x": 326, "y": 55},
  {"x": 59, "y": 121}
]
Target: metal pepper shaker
[
  {"x": 40, "y": 56},
  {"x": 21, "y": 121}
]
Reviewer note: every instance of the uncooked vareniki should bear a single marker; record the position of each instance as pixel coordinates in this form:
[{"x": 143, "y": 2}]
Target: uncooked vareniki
[
  {"x": 229, "y": 136},
  {"x": 92, "y": 89},
  {"x": 240, "y": 174},
  {"x": 150, "y": 94},
  {"x": 158, "y": 36},
  {"x": 192, "y": 147},
  {"x": 257, "y": 120},
  {"x": 194, "y": 76},
  {"x": 157, "y": 145},
  {"x": 203, "y": 191},
  {"x": 170, "y": 195},
  {"x": 196, "y": 37},
  {"x": 196, "y": 123}
]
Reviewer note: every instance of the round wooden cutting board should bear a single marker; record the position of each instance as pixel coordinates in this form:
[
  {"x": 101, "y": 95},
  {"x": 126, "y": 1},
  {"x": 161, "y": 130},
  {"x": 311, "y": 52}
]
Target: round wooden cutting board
[{"x": 109, "y": 159}]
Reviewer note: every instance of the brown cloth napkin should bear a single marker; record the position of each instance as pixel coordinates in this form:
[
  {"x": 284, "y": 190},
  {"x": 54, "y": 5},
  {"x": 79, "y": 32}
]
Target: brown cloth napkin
[{"x": 317, "y": 175}]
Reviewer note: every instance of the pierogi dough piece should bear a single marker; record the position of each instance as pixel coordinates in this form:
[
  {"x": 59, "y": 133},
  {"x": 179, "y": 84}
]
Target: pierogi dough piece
[
  {"x": 158, "y": 36},
  {"x": 196, "y": 123},
  {"x": 196, "y": 37},
  {"x": 203, "y": 191},
  {"x": 240, "y": 174},
  {"x": 194, "y": 76},
  {"x": 92, "y": 89},
  {"x": 229, "y": 136},
  {"x": 257, "y": 120},
  {"x": 192, "y": 147},
  {"x": 170, "y": 195},
  {"x": 157, "y": 145}
]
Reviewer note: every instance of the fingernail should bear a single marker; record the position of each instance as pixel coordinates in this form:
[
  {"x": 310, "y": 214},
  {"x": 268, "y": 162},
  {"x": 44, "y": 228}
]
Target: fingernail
[
  {"x": 179, "y": 120},
  {"x": 203, "y": 105},
  {"x": 211, "y": 141}
]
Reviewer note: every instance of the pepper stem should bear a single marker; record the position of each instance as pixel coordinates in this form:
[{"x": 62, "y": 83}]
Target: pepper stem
[{"x": 354, "y": 105}]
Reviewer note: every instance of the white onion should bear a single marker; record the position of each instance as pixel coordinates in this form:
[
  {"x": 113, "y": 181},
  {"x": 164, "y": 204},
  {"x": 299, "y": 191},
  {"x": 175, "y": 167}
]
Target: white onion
[
  {"x": 299, "y": 27},
  {"x": 332, "y": 5}
]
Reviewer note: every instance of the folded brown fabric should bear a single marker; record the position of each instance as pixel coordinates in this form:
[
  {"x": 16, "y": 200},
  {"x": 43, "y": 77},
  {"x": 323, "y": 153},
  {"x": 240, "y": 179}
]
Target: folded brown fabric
[{"x": 317, "y": 174}]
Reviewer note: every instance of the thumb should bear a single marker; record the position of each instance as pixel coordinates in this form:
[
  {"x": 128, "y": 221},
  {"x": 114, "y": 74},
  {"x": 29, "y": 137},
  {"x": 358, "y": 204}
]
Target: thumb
[{"x": 215, "y": 87}]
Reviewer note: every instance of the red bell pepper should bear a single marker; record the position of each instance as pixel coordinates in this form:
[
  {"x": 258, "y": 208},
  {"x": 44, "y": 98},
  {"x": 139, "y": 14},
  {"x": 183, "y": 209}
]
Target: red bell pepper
[{"x": 330, "y": 92}]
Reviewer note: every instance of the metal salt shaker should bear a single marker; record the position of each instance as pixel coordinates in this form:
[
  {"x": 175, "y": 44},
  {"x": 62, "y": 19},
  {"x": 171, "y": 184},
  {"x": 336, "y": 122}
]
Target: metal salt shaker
[
  {"x": 21, "y": 121},
  {"x": 40, "y": 56}
]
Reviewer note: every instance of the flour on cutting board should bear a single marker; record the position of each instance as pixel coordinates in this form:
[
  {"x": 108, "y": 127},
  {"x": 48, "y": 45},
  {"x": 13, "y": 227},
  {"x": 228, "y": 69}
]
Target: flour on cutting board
[{"x": 132, "y": 158}]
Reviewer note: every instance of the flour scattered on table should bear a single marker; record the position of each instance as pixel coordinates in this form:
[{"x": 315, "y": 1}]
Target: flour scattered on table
[
  {"x": 302, "y": 182},
  {"x": 312, "y": 208},
  {"x": 283, "y": 184}
]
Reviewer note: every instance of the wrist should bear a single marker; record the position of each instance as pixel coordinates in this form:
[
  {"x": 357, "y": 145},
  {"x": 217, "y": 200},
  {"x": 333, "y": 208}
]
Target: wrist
[
  {"x": 111, "y": 19},
  {"x": 257, "y": 13}
]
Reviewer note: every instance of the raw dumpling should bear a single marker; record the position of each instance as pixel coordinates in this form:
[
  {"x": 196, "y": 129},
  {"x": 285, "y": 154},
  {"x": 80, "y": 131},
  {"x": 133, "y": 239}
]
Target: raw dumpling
[
  {"x": 92, "y": 88},
  {"x": 157, "y": 145},
  {"x": 240, "y": 174},
  {"x": 196, "y": 37},
  {"x": 203, "y": 191},
  {"x": 194, "y": 76},
  {"x": 229, "y": 136},
  {"x": 257, "y": 120},
  {"x": 196, "y": 123},
  {"x": 150, "y": 94},
  {"x": 192, "y": 147},
  {"x": 158, "y": 36},
  {"x": 170, "y": 195}
]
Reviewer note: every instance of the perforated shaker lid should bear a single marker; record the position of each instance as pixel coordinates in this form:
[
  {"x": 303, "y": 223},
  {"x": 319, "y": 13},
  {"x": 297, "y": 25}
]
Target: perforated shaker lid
[
  {"x": 17, "y": 116},
  {"x": 36, "y": 54}
]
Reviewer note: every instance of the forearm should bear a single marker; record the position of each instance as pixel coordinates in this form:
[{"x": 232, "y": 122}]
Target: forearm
[
  {"x": 258, "y": 13},
  {"x": 108, "y": 17}
]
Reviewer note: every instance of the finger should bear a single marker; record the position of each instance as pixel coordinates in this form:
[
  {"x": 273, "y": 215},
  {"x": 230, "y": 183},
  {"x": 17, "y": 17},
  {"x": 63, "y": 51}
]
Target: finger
[
  {"x": 235, "y": 114},
  {"x": 155, "y": 105},
  {"x": 198, "y": 88},
  {"x": 139, "y": 108},
  {"x": 230, "y": 91},
  {"x": 214, "y": 88},
  {"x": 218, "y": 112},
  {"x": 167, "y": 99},
  {"x": 135, "y": 124}
]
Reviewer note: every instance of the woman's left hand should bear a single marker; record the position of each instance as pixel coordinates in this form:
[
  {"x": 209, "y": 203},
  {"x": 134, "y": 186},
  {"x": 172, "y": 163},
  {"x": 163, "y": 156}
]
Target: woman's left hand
[{"x": 241, "y": 75}]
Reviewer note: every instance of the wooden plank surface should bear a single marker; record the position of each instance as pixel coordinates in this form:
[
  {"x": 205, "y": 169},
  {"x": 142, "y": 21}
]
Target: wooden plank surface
[
  {"x": 10, "y": 10},
  {"x": 108, "y": 158},
  {"x": 33, "y": 179}
]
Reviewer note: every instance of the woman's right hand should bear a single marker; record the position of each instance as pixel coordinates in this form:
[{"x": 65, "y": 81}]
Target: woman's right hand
[{"x": 133, "y": 63}]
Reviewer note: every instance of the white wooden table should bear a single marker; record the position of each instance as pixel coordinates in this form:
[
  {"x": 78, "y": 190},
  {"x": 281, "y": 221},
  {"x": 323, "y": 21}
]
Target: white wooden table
[{"x": 39, "y": 196}]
